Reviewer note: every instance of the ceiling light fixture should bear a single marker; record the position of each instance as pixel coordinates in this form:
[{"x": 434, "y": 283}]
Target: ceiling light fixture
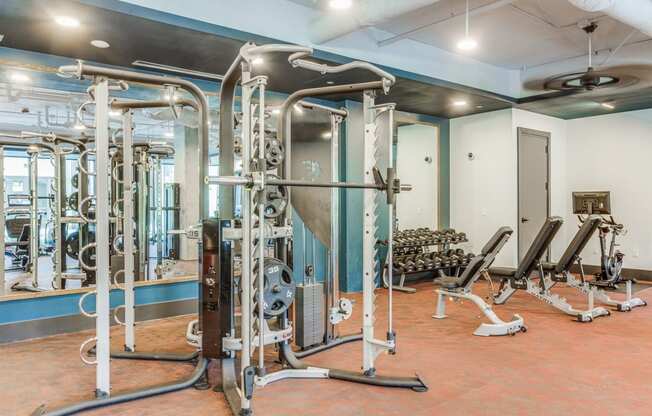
[
  {"x": 459, "y": 103},
  {"x": 340, "y": 4},
  {"x": 67, "y": 21},
  {"x": 608, "y": 106},
  {"x": 19, "y": 78},
  {"x": 468, "y": 43},
  {"x": 100, "y": 44}
]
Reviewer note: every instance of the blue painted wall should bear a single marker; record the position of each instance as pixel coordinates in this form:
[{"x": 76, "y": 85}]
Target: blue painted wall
[{"x": 66, "y": 304}]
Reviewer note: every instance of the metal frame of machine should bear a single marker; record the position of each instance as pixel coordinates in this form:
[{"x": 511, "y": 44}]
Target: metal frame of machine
[{"x": 218, "y": 294}]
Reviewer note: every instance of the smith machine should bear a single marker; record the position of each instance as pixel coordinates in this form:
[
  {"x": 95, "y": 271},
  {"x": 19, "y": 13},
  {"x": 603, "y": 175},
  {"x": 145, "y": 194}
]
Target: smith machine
[
  {"x": 246, "y": 261},
  {"x": 246, "y": 282}
]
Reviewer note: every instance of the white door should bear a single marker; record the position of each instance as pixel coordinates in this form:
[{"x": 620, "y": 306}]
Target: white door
[
  {"x": 533, "y": 202},
  {"x": 417, "y": 164}
]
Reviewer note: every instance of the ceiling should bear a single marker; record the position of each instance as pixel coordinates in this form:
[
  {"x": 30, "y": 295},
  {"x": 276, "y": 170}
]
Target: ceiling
[
  {"x": 28, "y": 25},
  {"x": 523, "y": 34}
]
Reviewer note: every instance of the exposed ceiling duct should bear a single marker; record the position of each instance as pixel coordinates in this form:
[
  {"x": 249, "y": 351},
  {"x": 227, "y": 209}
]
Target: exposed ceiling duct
[
  {"x": 635, "y": 13},
  {"x": 364, "y": 14}
]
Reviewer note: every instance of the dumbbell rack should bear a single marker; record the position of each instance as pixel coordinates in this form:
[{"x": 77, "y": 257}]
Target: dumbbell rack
[{"x": 422, "y": 251}]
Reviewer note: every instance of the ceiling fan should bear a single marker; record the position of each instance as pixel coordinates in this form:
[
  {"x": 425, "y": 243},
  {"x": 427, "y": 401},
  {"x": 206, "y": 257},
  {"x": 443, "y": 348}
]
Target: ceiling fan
[{"x": 592, "y": 80}]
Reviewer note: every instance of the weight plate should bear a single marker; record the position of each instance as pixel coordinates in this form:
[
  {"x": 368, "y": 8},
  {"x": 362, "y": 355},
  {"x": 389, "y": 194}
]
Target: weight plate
[
  {"x": 279, "y": 287},
  {"x": 275, "y": 199}
]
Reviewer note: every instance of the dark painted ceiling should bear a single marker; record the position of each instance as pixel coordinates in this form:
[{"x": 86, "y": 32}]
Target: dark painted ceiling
[{"x": 29, "y": 25}]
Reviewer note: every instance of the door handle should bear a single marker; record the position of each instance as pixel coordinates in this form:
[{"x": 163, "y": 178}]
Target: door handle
[{"x": 523, "y": 219}]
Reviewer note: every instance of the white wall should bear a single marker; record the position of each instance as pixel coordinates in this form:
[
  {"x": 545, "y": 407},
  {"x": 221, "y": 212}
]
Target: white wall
[
  {"x": 611, "y": 152},
  {"x": 614, "y": 153},
  {"x": 418, "y": 208},
  {"x": 291, "y": 22},
  {"x": 483, "y": 195},
  {"x": 484, "y": 190}
]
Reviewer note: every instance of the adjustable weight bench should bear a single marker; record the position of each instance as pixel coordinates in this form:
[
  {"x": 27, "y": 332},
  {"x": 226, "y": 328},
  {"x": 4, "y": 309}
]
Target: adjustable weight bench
[
  {"x": 560, "y": 271},
  {"x": 521, "y": 277},
  {"x": 460, "y": 287}
]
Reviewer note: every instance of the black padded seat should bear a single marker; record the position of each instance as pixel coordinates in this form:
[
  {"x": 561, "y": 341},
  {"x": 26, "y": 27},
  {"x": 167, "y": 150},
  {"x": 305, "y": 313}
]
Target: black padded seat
[
  {"x": 449, "y": 282},
  {"x": 502, "y": 271},
  {"x": 477, "y": 263}
]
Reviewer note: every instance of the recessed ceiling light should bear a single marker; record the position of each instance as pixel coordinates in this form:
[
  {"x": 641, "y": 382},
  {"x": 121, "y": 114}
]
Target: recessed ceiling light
[
  {"x": 257, "y": 60},
  {"x": 608, "y": 106},
  {"x": 66, "y": 21},
  {"x": 19, "y": 77},
  {"x": 459, "y": 103},
  {"x": 467, "y": 44},
  {"x": 79, "y": 126},
  {"x": 101, "y": 44},
  {"x": 340, "y": 4},
  {"x": 330, "y": 82}
]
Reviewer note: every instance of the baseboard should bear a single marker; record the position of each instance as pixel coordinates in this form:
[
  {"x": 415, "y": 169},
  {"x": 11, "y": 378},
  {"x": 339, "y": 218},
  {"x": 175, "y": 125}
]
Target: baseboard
[
  {"x": 39, "y": 328},
  {"x": 638, "y": 274}
]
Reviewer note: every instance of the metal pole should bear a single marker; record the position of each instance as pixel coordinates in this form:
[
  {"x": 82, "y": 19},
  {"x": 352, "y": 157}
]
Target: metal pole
[
  {"x": 143, "y": 215},
  {"x": 103, "y": 347},
  {"x": 34, "y": 229},
  {"x": 261, "y": 228},
  {"x": 128, "y": 228},
  {"x": 368, "y": 237},
  {"x": 58, "y": 212},
  {"x": 246, "y": 283},
  {"x": 2, "y": 219},
  {"x": 333, "y": 282},
  {"x": 390, "y": 237}
]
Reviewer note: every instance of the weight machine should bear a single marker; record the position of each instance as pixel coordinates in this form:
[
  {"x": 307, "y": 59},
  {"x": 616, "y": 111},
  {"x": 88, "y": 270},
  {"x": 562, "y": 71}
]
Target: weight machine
[
  {"x": 237, "y": 259},
  {"x": 105, "y": 80}
]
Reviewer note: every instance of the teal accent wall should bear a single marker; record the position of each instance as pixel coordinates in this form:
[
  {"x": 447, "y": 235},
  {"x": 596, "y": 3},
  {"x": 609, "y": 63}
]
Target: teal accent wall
[
  {"x": 351, "y": 158},
  {"x": 65, "y": 304}
]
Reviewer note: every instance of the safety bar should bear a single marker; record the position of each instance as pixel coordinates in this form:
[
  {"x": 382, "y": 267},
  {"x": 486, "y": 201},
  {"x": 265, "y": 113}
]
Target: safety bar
[
  {"x": 80, "y": 257},
  {"x": 81, "y": 164},
  {"x": 82, "y": 298},
  {"x": 83, "y": 356},
  {"x": 250, "y": 51},
  {"x": 297, "y": 62},
  {"x": 81, "y": 211}
]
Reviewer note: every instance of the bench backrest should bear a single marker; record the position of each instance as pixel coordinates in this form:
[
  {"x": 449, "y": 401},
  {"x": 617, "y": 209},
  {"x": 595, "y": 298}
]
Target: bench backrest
[
  {"x": 538, "y": 248},
  {"x": 487, "y": 256},
  {"x": 578, "y": 243}
]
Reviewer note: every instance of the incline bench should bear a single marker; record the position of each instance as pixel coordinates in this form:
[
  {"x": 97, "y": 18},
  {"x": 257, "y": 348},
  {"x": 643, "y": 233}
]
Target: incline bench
[
  {"x": 521, "y": 278},
  {"x": 460, "y": 287}
]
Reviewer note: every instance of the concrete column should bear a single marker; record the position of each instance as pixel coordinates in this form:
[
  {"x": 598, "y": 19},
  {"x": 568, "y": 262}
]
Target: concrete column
[{"x": 186, "y": 172}]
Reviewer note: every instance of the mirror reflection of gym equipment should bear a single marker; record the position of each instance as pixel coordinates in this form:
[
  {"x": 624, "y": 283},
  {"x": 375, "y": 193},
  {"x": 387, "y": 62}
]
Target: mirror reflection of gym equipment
[{"x": 325, "y": 207}]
